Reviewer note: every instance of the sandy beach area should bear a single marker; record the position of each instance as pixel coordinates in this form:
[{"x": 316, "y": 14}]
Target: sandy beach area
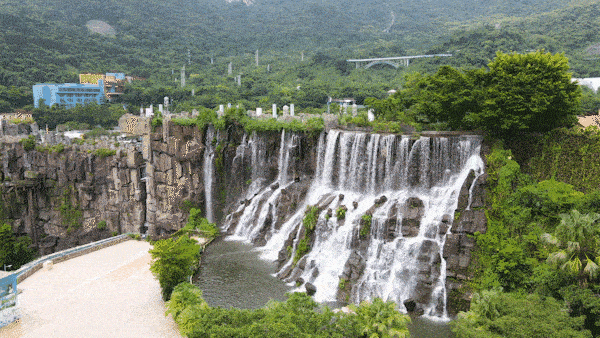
[{"x": 107, "y": 293}]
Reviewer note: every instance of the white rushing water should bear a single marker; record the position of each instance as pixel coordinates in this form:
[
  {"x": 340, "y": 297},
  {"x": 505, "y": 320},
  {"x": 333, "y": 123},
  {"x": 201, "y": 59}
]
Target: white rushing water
[
  {"x": 354, "y": 170},
  {"x": 208, "y": 172}
]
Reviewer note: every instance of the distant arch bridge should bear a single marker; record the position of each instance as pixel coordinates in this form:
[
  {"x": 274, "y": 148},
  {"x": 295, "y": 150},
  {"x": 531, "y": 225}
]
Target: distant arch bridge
[{"x": 395, "y": 61}]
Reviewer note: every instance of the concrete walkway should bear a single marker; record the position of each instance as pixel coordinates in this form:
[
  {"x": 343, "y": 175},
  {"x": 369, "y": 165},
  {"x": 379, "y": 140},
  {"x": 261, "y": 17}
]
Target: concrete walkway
[{"x": 107, "y": 293}]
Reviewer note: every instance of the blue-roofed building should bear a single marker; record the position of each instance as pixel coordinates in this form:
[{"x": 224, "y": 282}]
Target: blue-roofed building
[{"x": 68, "y": 94}]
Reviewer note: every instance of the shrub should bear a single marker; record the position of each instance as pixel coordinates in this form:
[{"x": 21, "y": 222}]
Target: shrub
[
  {"x": 365, "y": 227},
  {"x": 298, "y": 316},
  {"x": 173, "y": 260},
  {"x": 101, "y": 225},
  {"x": 103, "y": 152},
  {"x": 310, "y": 218},
  {"x": 340, "y": 212},
  {"x": 198, "y": 224},
  {"x": 28, "y": 143},
  {"x": 498, "y": 314},
  {"x": 56, "y": 149},
  {"x": 302, "y": 249}
]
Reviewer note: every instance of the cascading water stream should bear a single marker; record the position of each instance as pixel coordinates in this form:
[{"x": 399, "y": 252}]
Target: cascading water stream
[
  {"x": 208, "y": 172},
  {"x": 261, "y": 205},
  {"x": 406, "y": 188}
]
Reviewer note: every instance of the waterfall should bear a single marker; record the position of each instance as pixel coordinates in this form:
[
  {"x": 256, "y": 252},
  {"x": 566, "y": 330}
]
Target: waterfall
[
  {"x": 208, "y": 172},
  {"x": 257, "y": 215},
  {"x": 406, "y": 187}
]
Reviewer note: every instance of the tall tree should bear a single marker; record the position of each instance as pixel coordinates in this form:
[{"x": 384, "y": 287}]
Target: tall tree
[
  {"x": 527, "y": 93},
  {"x": 173, "y": 261}
]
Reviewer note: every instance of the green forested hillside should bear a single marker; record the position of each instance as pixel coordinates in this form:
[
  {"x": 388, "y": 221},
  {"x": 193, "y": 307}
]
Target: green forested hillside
[
  {"x": 571, "y": 30},
  {"x": 48, "y": 41}
]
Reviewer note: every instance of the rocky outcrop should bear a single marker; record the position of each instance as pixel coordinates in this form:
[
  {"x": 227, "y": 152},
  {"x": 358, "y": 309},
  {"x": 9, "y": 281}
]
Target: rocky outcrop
[
  {"x": 71, "y": 197},
  {"x": 469, "y": 219}
]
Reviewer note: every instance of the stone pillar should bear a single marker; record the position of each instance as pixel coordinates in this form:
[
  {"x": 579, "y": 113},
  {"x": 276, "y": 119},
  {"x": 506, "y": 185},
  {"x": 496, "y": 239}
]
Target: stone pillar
[
  {"x": 239, "y": 80},
  {"x": 345, "y": 108},
  {"x": 193, "y": 92},
  {"x": 258, "y": 111},
  {"x": 354, "y": 109},
  {"x": 230, "y": 69},
  {"x": 151, "y": 203},
  {"x": 274, "y": 110},
  {"x": 292, "y": 109},
  {"x": 286, "y": 110},
  {"x": 165, "y": 127},
  {"x": 229, "y": 105},
  {"x": 160, "y": 108},
  {"x": 142, "y": 111}
]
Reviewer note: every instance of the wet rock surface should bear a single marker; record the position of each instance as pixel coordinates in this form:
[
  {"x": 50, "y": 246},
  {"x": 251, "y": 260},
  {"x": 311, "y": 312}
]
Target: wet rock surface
[{"x": 159, "y": 184}]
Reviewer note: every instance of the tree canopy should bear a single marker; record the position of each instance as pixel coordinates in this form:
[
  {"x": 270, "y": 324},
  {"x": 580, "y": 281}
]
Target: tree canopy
[{"x": 530, "y": 92}]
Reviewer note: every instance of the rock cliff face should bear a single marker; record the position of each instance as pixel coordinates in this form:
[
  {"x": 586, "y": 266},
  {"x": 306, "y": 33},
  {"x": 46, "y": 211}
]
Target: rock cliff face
[
  {"x": 73, "y": 197},
  {"x": 257, "y": 186}
]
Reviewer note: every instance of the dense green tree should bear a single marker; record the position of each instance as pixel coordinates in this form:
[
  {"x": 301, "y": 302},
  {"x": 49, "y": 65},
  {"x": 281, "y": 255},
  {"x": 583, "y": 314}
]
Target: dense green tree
[
  {"x": 449, "y": 95},
  {"x": 527, "y": 93},
  {"x": 14, "y": 250},
  {"x": 173, "y": 261}
]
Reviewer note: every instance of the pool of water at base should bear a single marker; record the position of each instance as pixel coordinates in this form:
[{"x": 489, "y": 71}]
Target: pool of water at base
[{"x": 233, "y": 275}]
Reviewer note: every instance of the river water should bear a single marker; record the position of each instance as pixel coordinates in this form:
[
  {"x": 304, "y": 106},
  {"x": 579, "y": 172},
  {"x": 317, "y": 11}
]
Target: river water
[{"x": 233, "y": 275}]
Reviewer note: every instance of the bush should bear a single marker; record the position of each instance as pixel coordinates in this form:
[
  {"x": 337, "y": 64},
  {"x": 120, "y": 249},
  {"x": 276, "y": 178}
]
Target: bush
[
  {"x": 28, "y": 143},
  {"x": 103, "y": 152},
  {"x": 198, "y": 224},
  {"x": 302, "y": 249},
  {"x": 71, "y": 215},
  {"x": 298, "y": 316},
  {"x": 173, "y": 260},
  {"x": 101, "y": 225},
  {"x": 56, "y": 149},
  {"x": 311, "y": 216},
  {"x": 365, "y": 227},
  {"x": 340, "y": 212},
  {"x": 14, "y": 250},
  {"x": 498, "y": 314}
]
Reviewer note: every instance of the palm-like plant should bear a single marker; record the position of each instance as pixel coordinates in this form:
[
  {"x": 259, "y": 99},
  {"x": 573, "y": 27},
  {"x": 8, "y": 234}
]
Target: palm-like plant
[{"x": 578, "y": 245}]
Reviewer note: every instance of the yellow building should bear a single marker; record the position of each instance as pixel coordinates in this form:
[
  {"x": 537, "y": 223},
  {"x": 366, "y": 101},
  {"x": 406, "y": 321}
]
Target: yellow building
[{"x": 113, "y": 83}]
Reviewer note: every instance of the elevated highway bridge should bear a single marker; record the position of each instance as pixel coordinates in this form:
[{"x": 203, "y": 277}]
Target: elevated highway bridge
[{"x": 395, "y": 61}]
